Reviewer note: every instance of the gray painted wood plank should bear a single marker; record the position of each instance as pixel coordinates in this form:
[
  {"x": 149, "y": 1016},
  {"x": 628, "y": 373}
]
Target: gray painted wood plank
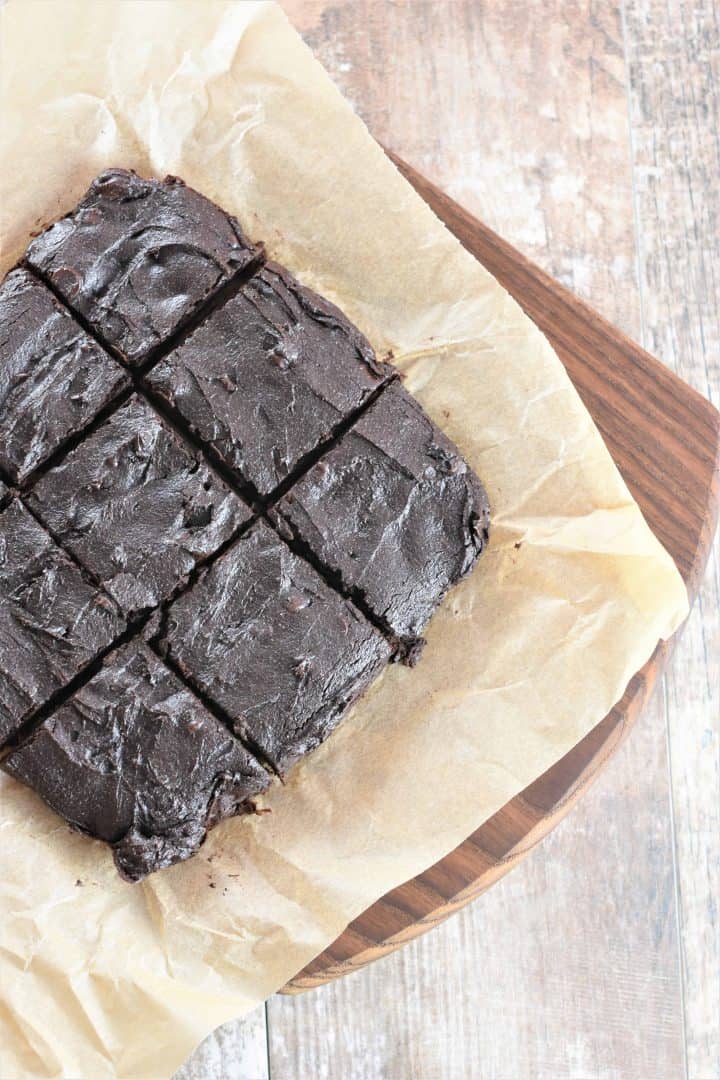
[
  {"x": 236, "y": 1051},
  {"x": 518, "y": 111},
  {"x": 674, "y": 66}
]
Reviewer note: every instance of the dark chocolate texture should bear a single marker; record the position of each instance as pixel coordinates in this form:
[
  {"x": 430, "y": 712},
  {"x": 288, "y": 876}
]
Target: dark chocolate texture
[
  {"x": 137, "y": 257},
  {"x": 53, "y": 378},
  {"x": 269, "y": 642},
  {"x": 136, "y": 760},
  {"x": 245, "y": 381},
  {"x": 52, "y": 621},
  {"x": 136, "y": 507},
  {"x": 395, "y": 511},
  {"x": 269, "y": 376}
]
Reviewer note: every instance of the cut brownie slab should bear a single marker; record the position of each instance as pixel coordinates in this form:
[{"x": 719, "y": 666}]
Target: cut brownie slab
[
  {"x": 52, "y": 621},
  {"x": 137, "y": 507},
  {"x": 269, "y": 376},
  {"x": 137, "y": 257},
  {"x": 394, "y": 511},
  {"x": 136, "y": 760},
  {"x": 281, "y": 653},
  {"x": 53, "y": 378},
  {"x": 244, "y": 380}
]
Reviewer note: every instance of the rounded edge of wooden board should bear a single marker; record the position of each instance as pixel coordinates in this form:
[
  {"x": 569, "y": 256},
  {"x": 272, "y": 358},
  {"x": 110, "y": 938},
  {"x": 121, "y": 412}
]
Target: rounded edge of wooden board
[
  {"x": 510, "y": 835},
  {"x": 486, "y": 856}
]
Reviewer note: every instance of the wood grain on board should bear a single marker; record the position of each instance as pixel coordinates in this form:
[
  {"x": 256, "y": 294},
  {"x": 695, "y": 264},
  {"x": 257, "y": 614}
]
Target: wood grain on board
[
  {"x": 569, "y": 966},
  {"x": 666, "y": 440}
]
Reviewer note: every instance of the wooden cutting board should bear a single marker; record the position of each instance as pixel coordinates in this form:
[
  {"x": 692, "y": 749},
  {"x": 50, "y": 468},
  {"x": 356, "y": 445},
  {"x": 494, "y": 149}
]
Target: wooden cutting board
[{"x": 665, "y": 439}]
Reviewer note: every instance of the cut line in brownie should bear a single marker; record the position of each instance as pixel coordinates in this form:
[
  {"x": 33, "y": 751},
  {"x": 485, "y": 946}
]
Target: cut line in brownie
[
  {"x": 137, "y": 507},
  {"x": 54, "y": 378},
  {"x": 136, "y": 258},
  {"x": 282, "y": 654},
  {"x": 395, "y": 511},
  {"x": 269, "y": 376},
  {"x": 136, "y": 760},
  {"x": 53, "y": 622},
  {"x": 249, "y": 398}
]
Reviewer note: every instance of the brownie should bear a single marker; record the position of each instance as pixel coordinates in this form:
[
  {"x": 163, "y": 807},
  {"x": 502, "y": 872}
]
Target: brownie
[
  {"x": 166, "y": 644},
  {"x": 137, "y": 257},
  {"x": 137, "y": 507},
  {"x": 269, "y": 376},
  {"x": 136, "y": 760},
  {"x": 395, "y": 511},
  {"x": 53, "y": 378},
  {"x": 52, "y": 621},
  {"x": 269, "y": 642}
]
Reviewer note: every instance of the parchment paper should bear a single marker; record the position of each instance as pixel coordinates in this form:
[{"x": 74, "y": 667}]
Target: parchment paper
[{"x": 99, "y": 978}]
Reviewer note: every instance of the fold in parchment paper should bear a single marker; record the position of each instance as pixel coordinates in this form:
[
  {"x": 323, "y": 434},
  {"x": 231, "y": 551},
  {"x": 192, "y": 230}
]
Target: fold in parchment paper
[{"x": 99, "y": 978}]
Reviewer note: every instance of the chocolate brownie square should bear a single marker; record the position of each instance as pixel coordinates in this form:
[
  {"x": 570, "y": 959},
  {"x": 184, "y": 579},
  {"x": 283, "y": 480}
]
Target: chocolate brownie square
[
  {"x": 269, "y": 376},
  {"x": 53, "y": 378},
  {"x": 137, "y": 507},
  {"x": 269, "y": 642},
  {"x": 52, "y": 621},
  {"x": 136, "y": 760},
  {"x": 163, "y": 649},
  {"x": 394, "y": 511},
  {"x": 137, "y": 257}
]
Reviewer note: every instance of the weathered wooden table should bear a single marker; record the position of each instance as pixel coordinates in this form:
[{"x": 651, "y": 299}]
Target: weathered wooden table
[{"x": 587, "y": 136}]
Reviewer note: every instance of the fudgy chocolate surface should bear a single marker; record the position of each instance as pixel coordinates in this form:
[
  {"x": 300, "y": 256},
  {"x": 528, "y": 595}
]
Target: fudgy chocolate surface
[
  {"x": 136, "y": 257},
  {"x": 136, "y": 760},
  {"x": 267, "y": 640},
  {"x": 53, "y": 622},
  {"x": 247, "y": 386},
  {"x": 137, "y": 507},
  {"x": 395, "y": 511},
  {"x": 53, "y": 378},
  {"x": 269, "y": 376}
]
